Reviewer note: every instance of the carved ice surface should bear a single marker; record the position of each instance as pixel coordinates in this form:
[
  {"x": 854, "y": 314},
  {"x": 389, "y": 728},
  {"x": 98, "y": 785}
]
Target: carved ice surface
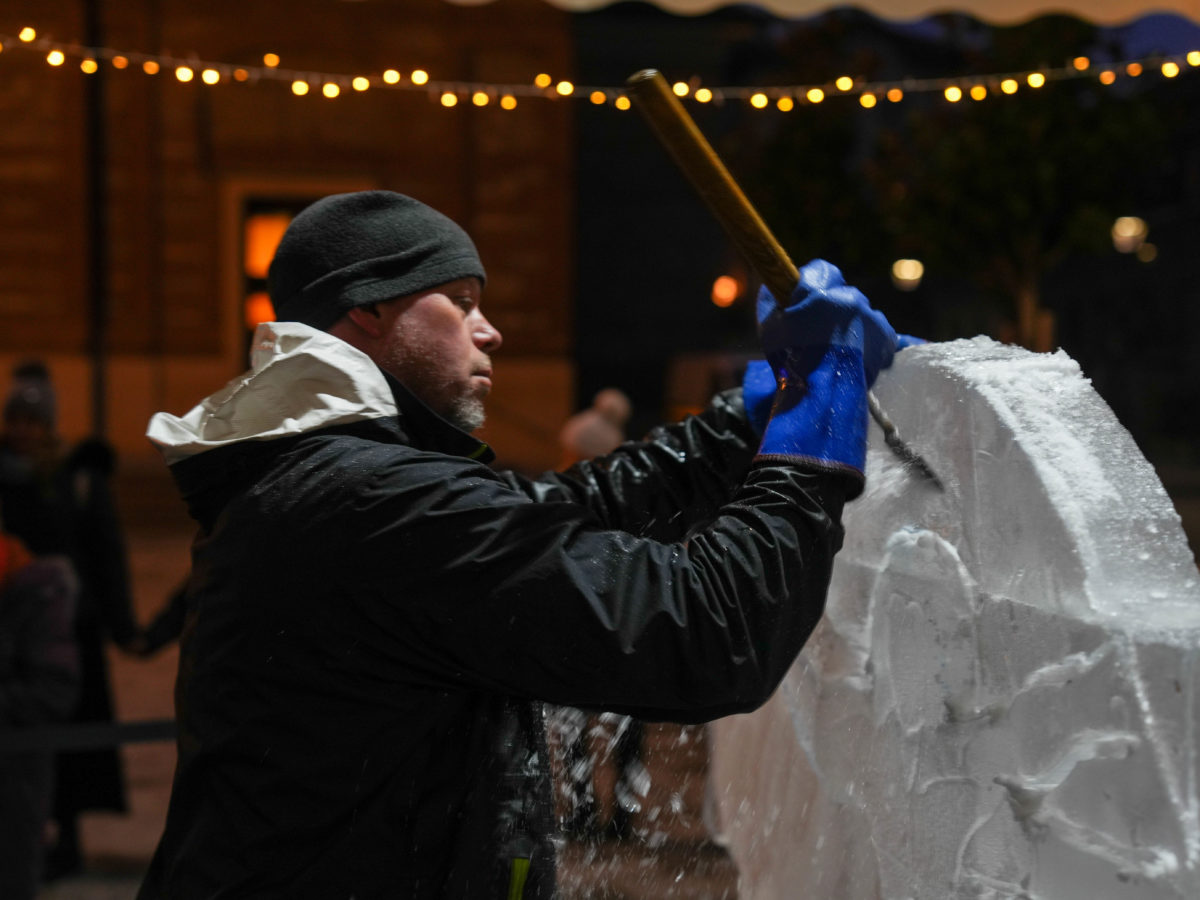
[{"x": 1002, "y": 699}]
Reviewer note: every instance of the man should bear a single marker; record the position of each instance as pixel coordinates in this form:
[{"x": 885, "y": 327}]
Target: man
[{"x": 374, "y": 614}]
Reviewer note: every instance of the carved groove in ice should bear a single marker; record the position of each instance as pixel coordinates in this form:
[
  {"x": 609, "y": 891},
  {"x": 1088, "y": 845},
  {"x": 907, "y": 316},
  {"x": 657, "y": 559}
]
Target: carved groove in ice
[{"x": 1002, "y": 700}]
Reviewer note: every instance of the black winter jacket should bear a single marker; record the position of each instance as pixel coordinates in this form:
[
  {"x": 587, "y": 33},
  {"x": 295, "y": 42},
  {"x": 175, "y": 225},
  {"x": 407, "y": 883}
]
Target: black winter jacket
[{"x": 373, "y": 612}]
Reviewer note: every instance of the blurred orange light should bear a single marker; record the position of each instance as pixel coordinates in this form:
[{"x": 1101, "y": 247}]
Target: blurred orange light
[
  {"x": 270, "y": 60},
  {"x": 1108, "y": 76},
  {"x": 815, "y": 95},
  {"x": 895, "y": 95},
  {"x": 120, "y": 62},
  {"x": 150, "y": 67},
  {"x": 978, "y": 92},
  {"x": 257, "y": 309},
  {"x": 622, "y": 103},
  {"x": 725, "y": 290},
  {"x": 261, "y": 234},
  {"x": 1134, "y": 69},
  {"x": 785, "y": 104},
  {"x": 1081, "y": 63}
]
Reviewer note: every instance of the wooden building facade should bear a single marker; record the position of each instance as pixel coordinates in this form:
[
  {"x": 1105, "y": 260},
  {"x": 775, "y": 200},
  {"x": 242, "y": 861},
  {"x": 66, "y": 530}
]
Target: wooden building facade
[{"x": 185, "y": 171}]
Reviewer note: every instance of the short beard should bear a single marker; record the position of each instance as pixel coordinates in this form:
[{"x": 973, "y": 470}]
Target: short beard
[{"x": 466, "y": 413}]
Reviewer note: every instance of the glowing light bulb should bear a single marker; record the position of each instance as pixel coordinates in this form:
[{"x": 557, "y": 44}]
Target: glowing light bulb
[
  {"x": 419, "y": 76},
  {"x": 270, "y": 60},
  {"x": 953, "y": 93},
  {"x": 55, "y": 58},
  {"x": 299, "y": 87},
  {"x": 184, "y": 73},
  {"x": 703, "y": 95},
  {"x": 815, "y": 95},
  {"x": 785, "y": 104},
  {"x": 1133, "y": 70},
  {"x": 564, "y": 88},
  {"x": 1081, "y": 63},
  {"x": 391, "y": 76},
  {"x": 150, "y": 67},
  {"x": 597, "y": 97},
  {"x": 759, "y": 100},
  {"x": 1170, "y": 69},
  {"x": 622, "y": 103},
  {"x": 844, "y": 83},
  {"x": 978, "y": 92},
  {"x": 1108, "y": 76},
  {"x": 480, "y": 98},
  {"x": 1009, "y": 85},
  {"x": 330, "y": 90},
  {"x": 1035, "y": 79},
  {"x": 88, "y": 66},
  {"x": 508, "y": 101},
  {"x": 210, "y": 76},
  {"x": 895, "y": 95},
  {"x": 120, "y": 62},
  {"x": 1129, "y": 233},
  {"x": 241, "y": 75},
  {"x": 1193, "y": 58},
  {"x": 360, "y": 83},
  {"x": 449, "y": 98},
  {"x": 681, "y": 89},
  {"x": 543, "y": 80},
  {"x": 907, "y": 274},
  {"x": 725, "y": 290},
  {"x": 27, "y": 34},
  {"x": 867, "y": 101}
]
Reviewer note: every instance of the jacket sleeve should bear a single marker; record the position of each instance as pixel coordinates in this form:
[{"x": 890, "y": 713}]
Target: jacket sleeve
[
  {"x": 662, "y": 485},
  {"x": 43, "y": 683},
  {"x": 463, "y": 581}
]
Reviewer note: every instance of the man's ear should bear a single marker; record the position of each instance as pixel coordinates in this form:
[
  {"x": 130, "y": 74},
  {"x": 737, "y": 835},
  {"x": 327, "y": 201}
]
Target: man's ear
[{"x": 367, "y": 318}]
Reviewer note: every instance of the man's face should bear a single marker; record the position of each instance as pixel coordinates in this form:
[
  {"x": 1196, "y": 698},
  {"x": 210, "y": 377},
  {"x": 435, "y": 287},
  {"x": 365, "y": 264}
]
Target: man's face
[{"x": 437, "y": 344}]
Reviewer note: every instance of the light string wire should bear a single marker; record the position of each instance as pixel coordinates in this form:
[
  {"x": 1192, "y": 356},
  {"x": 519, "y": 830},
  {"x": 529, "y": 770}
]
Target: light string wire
[{"x": 784, "y": 97}]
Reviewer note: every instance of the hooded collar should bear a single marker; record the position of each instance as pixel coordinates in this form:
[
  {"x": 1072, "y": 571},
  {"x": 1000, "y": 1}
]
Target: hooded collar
[{"x": 303, "y": 380}]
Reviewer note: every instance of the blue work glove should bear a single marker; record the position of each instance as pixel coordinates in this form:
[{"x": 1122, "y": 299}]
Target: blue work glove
[
  {"x": 758, "y": 393},
  {"x": 825, "y": 350},
  {"x": 758, "y": 385}
]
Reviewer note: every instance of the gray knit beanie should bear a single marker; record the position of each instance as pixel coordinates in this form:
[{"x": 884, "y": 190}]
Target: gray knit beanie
[{"x": 349, "y": 250}]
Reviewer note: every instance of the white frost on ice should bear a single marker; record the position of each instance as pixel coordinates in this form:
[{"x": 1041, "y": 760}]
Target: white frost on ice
[{"x": 1002, "y": 700}]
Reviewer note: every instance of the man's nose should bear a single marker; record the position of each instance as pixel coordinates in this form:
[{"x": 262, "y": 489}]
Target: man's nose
[{"x": 487, "y": 337}]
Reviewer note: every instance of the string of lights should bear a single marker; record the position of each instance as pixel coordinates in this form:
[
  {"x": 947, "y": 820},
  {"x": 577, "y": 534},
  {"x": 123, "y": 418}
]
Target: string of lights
[{"x": 450, "y": 93}]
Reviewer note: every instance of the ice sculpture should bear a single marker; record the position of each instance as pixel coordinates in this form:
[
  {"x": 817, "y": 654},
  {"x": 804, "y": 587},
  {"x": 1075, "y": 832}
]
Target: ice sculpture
[{"x": 1002, "y": 701}]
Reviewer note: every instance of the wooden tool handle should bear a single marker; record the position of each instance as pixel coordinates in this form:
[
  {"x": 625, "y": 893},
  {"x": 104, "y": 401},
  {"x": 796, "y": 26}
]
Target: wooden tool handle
[{"x": 708, "y": 175}]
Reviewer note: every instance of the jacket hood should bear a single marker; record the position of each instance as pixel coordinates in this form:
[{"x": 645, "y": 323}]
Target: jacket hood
[{"x": 300, "y": 380}]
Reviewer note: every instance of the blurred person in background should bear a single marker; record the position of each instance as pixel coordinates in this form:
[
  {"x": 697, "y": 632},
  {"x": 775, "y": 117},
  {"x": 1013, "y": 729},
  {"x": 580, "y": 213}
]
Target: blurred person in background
[
  {"x": 39, "y": 684},
  {"x": 59, "y": 501}
]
